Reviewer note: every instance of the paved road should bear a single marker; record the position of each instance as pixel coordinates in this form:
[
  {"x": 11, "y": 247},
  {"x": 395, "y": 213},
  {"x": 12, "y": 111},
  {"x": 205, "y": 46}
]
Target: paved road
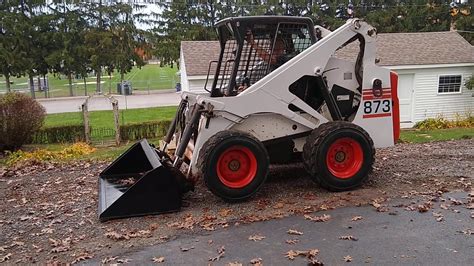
[
  {"x": 73, "y": 104},
  {"x": 384, "y": 238}
]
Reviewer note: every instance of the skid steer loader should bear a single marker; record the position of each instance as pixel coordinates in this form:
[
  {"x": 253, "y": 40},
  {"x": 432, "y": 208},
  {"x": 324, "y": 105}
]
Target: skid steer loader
[{"x": 282, "y": 90}]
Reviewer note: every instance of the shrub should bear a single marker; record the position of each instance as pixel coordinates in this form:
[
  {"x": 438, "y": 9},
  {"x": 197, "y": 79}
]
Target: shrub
[
  {"x": 59, "y": 134},
  {"x": 144, "y": 130},
  {"x": 20, "y": 117},
  {"x": 442, "y": 123},
  {"x": 42, "y": 155}
]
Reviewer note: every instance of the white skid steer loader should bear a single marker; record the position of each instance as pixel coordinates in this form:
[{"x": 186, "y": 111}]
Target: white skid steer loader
[{"x": 281, "y": 91}]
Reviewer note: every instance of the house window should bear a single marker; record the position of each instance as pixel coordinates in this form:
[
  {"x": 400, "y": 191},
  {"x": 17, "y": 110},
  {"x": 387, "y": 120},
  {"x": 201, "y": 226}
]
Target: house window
[{"x": 449, "y": 83}]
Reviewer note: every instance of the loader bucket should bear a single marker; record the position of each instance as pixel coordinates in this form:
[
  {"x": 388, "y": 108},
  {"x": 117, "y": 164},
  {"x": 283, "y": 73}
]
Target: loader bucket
[{"x": 138, "y": 183}]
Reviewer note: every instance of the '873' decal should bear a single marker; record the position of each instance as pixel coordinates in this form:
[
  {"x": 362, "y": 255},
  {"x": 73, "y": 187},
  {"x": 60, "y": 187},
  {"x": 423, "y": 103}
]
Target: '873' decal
[{"x": 377, "y": 106}]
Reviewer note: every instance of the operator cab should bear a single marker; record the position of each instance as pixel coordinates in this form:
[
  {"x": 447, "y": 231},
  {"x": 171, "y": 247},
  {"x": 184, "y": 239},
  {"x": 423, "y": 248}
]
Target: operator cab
[{"x": 252, "y": 47}]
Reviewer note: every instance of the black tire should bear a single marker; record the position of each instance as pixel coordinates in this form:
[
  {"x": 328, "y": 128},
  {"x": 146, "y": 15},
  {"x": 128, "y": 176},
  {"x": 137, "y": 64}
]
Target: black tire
[
  {"x": 214, "y": 171},
  {"x": 349, "y": 161}
]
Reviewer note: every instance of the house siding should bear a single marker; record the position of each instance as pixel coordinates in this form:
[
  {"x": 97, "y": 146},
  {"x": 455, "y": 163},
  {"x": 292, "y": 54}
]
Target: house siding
[
  {"x": 427, "y": 103},
  {"x": 197, "y": 85},
  {"x": 183, "y": 74}
]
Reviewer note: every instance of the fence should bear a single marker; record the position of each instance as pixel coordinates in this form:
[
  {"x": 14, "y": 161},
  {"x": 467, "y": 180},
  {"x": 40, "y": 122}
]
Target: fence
[{"x": 143, "y": 82}]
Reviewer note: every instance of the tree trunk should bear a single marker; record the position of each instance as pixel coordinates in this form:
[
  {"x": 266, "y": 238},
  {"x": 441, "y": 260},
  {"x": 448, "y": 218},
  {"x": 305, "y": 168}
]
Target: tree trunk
[
  {"x": 32, "y": 86},
  {"x": 116, "y": 122},
  {"x": 85, "y": 114},
  {"x": 85, "y": 85},
  {"x": 39, "y": 83},
  {"x": 7, "y": 80},
  {"x": 97, "y": 88},
  {"x": 69, "y": 77},
  {"x": 122, "y": 76}
]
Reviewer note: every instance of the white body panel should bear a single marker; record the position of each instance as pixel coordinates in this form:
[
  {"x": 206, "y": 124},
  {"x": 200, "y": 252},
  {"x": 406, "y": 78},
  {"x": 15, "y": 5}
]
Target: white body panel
[{"x": 262, "y": 109}]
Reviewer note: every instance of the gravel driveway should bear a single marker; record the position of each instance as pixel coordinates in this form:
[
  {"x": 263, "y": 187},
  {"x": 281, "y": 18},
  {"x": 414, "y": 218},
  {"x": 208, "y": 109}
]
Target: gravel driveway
[{"x": 49, "y": 212}]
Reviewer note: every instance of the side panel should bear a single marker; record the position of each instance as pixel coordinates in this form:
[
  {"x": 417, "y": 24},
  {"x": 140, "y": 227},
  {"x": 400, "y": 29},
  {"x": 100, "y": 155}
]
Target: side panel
[
  {"x": 375, "y": 113},
  {"x": 270, "y": 126}
]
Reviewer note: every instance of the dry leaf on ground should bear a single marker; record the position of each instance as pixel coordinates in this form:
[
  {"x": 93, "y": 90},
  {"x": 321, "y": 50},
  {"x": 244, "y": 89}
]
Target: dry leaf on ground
[
  {"x": 292, "y": 241},
  {"x": 158, "y": 259},
  {"x": 356, "y": 218},
  {"x": 6, "y": 257},
  {"x": 82, "y": 257},
  {"x": 348, "y": 238},
  {"x": 220, "y": 254},
  {"x": 322, "y": 218},
  {"x": 184, "y": 249},
  {"x": 234, "y": 264},
  {"x": 294, "y": 232},
  {"x": 256, "y": 261},
  {"x": 256, "y": 237},
  {"x": 347, "y": 258},
  {"x": 106, "y": 260}
]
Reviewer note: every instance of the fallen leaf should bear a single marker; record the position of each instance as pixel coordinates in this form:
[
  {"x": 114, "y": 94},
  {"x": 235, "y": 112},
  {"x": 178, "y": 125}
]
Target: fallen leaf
[
  {"x": 221, "y": 252},
  {"x": 6, "y": 257},
  {"x": 153, "y": 226},
  {"x": 123, "y": 260},
  {"x": 225, "y": 212},
  {"x": 348, "y": 238},
  {"x": 234, "y": 264},
  {"x": 470, "y": 206},
  {"x": 347, "y": 258},
  {"x": 116, "y": 236},
  {"x": 106, "y": 260},
  {"x": 292, "y": 254},
  {"x": 424, "y": 207},
  {"x": 256, "y": 261},
  {"x": 467, "y": 232},
  {"x": 356, "y": 218},
  {"x": 455, "y": 201},
  {"x": 314, "y": 261},
  {"x": 256, "y": 237},
  {"x": 444, "y": 206},
  {"x": 82, "y": 257},
  {"x": 158, "y": 259},
  {"x": 294, "y": 232},
  {"x": 292, "y": 241},
  {"x": 322, "y": 218},
  {"x": 311, "y": 254},
  {"x": 184, "y": 249}
]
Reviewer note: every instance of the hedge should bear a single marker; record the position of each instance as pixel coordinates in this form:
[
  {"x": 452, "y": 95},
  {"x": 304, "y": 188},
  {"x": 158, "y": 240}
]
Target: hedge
[
  {"x": 59, "y": 134},
  {"x": 137, "y": 131},
  {"x": 75, "y": 133}
]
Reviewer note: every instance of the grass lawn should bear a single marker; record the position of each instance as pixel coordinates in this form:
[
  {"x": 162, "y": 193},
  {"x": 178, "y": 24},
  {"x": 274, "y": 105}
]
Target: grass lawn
[
  {"x": 149, "y": 77},
  {"x": 105, "y": 118},
  {"x": 421, "y": 136}
]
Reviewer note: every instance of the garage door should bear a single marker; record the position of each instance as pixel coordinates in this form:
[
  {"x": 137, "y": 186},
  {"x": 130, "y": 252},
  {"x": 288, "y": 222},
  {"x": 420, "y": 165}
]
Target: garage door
[{"x": 405, "y": 96}]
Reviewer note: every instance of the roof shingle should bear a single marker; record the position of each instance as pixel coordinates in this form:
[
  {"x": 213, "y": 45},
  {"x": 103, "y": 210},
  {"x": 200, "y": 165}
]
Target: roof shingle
[{"x": 393, "y": 49}]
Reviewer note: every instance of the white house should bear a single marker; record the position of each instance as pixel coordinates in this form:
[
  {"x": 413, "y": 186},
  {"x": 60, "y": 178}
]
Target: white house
[{"x": 432, "y": 69}]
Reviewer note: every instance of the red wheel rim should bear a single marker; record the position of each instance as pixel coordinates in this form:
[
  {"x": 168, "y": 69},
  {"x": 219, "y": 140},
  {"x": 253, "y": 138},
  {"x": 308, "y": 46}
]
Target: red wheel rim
[
  {"x": 344, "y": 158},
  {"x": 236, "y": 167}
]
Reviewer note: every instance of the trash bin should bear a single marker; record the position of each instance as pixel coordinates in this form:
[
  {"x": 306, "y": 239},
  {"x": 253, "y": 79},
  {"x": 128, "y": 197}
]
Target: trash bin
[
  {"x": 178, "y": 87},
  {"x": 124, "y": 88}
]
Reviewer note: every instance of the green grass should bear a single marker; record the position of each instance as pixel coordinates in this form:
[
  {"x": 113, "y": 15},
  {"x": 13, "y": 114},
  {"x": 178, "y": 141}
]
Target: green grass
[
  {"x": 149, "y": 77},
  {"x": 421, "y": 136},
  {"x": 104, "y": 119}
]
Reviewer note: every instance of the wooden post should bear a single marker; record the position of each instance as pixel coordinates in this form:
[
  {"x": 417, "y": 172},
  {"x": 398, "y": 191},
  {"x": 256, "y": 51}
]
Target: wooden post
[
  {"x": 87, "y": 128},
  {"x": 116, "y": 121}
]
